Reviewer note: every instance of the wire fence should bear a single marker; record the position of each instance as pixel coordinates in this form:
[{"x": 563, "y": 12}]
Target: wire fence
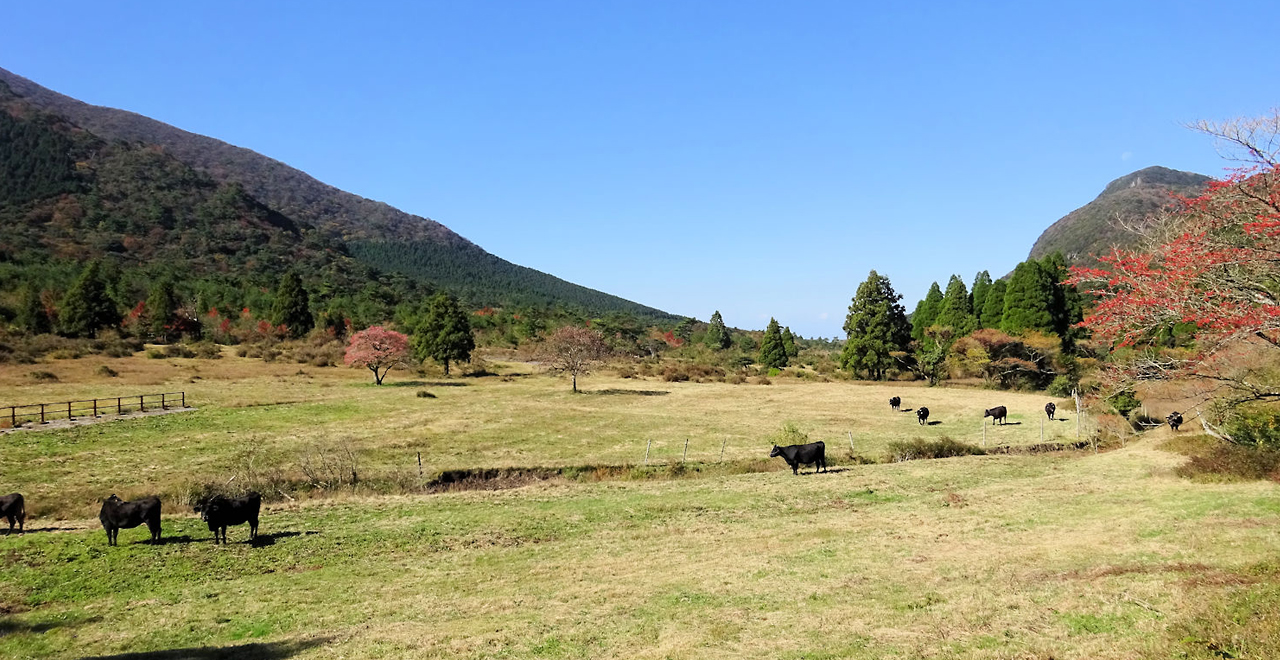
[{"x": 43, "y": 413}]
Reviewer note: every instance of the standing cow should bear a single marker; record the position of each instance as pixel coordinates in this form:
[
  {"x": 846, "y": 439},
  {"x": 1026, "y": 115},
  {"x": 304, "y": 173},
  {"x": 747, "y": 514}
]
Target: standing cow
[
  {"x": 1174, "y": 419},
  {"x": 13, "y": 509},
  {"x": 1049, "y": 409},
  {"x": 922, "y": 415},
  {"x": 814, "y": 453},
  {"x": 219, "y": 512},
  {"x": 997, "y": 414},
  {"x": 895, "y": 402},
  {"x": 117, "y": 514}
]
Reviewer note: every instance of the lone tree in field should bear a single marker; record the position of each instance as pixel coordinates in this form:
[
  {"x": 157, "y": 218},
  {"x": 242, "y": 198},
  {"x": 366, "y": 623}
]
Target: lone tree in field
[
  {"x": 444, "y": 332},
  {"x": 573, "y": 350},
  {"x": 877, "y": 328},
  {"x": 88, "y": 307},
  {"x": 773, "y": 353},
  {"x": 378, "y": 349},
  {"x": 717, "y": 334},
  {"x": 1211, "y": 263},
  {"x": 292, "y": 306}
]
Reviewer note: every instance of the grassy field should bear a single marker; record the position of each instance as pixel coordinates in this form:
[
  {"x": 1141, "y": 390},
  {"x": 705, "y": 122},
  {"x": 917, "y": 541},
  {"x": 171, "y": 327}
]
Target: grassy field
[
  {"x": 279, "y": 413},
  {"x": 1069, "y": 555}
]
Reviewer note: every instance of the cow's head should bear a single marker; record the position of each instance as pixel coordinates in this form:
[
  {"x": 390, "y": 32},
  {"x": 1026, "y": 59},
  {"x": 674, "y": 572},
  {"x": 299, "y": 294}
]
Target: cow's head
[
  {"x": 113, "y": 499},
  {"x": 777, "y": 451}
]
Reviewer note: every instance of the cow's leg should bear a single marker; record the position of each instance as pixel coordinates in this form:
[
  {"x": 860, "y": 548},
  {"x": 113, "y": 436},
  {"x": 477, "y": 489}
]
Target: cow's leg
[{"x": 253, "y": 529}]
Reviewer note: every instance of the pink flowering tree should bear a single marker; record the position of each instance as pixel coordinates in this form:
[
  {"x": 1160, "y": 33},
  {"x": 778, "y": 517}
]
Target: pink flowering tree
[{"x": 378, "y": 349}]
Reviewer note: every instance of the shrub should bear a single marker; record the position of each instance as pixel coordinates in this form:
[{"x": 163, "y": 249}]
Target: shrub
[
  {"x": 423, "y": 394},
  {"x": 242, "y": 351},
  {"x": 1222, "y": 459},
  {"x": 735, "y": 379},
  {"x": 104, "y": 370},
  {"x": 1061, "y": 387},
  {"x": 1124, "y": 402},
  {"x": 177, "y": 351},
  {"x": 65, "y": 354},
  {"x": 1256, "y": 428},
  {"x": 789, "y": 434},
  {"x": 207, "y": 350},
  {"x": 919, "y": 448},
  {"x": 626, "y": 371},
  {"x": 763, "y": 380},
  {"x": 155, "y": 354},
  {"x": 43, "y": 376}
]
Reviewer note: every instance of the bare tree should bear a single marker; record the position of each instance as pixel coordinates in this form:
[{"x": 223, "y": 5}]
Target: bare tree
[{"x": 574, "y": 350}]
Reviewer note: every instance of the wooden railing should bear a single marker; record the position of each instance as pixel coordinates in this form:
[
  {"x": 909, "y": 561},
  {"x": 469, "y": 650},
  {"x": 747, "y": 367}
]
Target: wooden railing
[{"x": 43, "y": 413}]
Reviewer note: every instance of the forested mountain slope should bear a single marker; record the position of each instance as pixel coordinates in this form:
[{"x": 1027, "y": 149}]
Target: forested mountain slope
[{"x": 1092, "y": 230}]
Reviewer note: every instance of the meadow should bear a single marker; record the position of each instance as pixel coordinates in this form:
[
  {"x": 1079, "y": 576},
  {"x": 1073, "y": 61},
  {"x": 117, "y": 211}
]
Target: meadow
[{"x": 1059, "y": 555}]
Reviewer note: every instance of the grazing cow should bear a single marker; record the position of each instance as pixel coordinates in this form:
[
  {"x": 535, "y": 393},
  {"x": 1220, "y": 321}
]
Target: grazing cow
[
  {"x": 219, "y": 512},
  {"x": 13, "y": 509},
  {"x": 1174, "y": 419},
  {"x": 922, "y": 415},
  {"x": 996, "y": 414},
  {"x": 895, "y": 402},
  {"x": 117, "y": 514},
  {"x": 795, "y": 455},
  {"x": 1049, "y": 409}
]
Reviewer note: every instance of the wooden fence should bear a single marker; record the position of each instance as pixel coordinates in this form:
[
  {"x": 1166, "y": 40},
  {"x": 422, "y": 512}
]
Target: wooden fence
[{"x": 43, "y": 413}]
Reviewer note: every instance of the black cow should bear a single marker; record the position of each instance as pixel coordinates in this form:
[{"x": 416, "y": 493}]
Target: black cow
[
  {"x": 895, "y": 402},
  {"x": 117, "y": 514},
  {"x": 13, "y": 509},
  {"x": 922, "y": 415},
  {"x": 219, "y": 512},
  {"x": 1174, "y": 419},
  {"x": 1049, "y": 409},
  {"x": 813, "y": 453},
  {"x": 996, "y": 414}
]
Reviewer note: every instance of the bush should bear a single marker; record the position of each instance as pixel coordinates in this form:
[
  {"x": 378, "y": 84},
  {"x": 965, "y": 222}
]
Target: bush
[
  {"x": 790, "y": 434},
  {"x": 919, "y": 448},
  {"x": 1061, "y": 387},
  {"x": 1222, "y": 459},
  {"x": 423, "y": 394},
  {"x": 154, "y": 354},
  {"x": 104, "y": 370},
  {"x": 1256, "y": 428},
  {"x": 626, "y": 371},
  {"x": 763, "y": 380},
  {"x": 207, "y": 350},
  {"x": 735, "y": 379},
  {"x": 65, "y": 354},
  {"x": 1124, "y": 403},
  {"x": 43, "y": 376},
  {"x": 177, "y": 351}
]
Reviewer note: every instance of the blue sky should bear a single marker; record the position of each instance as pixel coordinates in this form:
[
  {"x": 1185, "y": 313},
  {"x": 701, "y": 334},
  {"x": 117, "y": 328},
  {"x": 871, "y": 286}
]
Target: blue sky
[{"x": 756, "y": 158}]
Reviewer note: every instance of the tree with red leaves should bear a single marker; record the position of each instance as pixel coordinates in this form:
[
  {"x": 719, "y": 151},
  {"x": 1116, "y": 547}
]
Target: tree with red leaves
[
  {"x": 378, "y": 349},
  {"x": 574, "y": 350},
  {"x": 1211, "y": 262}
]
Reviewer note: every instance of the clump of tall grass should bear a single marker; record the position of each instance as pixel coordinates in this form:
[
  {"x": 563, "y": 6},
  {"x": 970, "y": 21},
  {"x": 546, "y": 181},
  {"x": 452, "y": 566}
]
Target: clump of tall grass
[{"x": 919, "y": 448}]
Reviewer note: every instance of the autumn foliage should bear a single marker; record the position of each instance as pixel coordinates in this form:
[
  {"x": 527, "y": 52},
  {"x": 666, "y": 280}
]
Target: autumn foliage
[{"x": 378, "y": 349}]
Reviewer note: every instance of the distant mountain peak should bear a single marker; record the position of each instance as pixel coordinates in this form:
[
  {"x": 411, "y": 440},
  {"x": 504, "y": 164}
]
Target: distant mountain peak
[{"x": 1093, "y": 230}]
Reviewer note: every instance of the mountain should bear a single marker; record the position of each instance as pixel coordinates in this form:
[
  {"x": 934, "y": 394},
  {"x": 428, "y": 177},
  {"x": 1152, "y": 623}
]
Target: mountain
[
  {"x": 378, "y": 234},
  {"x": 1092, "y": 229}
]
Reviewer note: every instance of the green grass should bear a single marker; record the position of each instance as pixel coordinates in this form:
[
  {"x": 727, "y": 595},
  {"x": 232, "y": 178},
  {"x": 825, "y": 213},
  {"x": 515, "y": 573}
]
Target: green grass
[{"x": 1045, "y": 556}]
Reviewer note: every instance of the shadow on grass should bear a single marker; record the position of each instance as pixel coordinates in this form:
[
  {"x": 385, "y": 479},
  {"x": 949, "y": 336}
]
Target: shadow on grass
[
  {"x": 934, "y": 423},
  {"x": 168, "y": 540},
  {"x": 1009, "y": 424},
  {"x": 264, "y": 540},
  {"x": 37, "y": 530},
  {"x": 8, "y": 627},
  {"x": 267, "y": 651},
  {"x": 615, "y": 391}
]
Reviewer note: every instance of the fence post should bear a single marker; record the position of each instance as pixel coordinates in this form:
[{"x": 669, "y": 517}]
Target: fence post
[
  {"x": 163, "y": 405},
  {"x": 95, "y": 408},
  {"x": 42, "y": 414},
  {"x": 850, "y": 441},
  {"x": 419, "y": 465},
  {"x": 142, "y": 405},
  {"x": 646, "y": 451},
  {"x": 119, "y": 408},
  {"x": 69, "y": 411},
  {"x": 686, "y": 451},
  {"x": 722, "y": 444},
  {"x": 13, "y": 417},
  {"x": 184, "y": 398}
]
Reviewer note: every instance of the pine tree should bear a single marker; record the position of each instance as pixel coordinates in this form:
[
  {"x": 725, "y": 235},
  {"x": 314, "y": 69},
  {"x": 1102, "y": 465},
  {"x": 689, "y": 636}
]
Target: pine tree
[
  {"x": 717, "y": 334},
  {"x": 876, "y": 326},
  {"x": 162, "y": 307},
  {"x": 981, "y": 285},
  {"x": 444, "y": 332},
  {"x": 292, "y": 306},
  {"x": 1068, "y": 304},
  {"x": 32, "y": 315},
  {"x": 772, "y": 353},
  {"x": 927, "y": 311},
  {"x": 993, "y": 305},
  {"x": 1028, "y": 300},
  {"x": 957, "y": 312},
  {"x": 88, "y": 307},
  {"x": 789, "y": 343}
]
